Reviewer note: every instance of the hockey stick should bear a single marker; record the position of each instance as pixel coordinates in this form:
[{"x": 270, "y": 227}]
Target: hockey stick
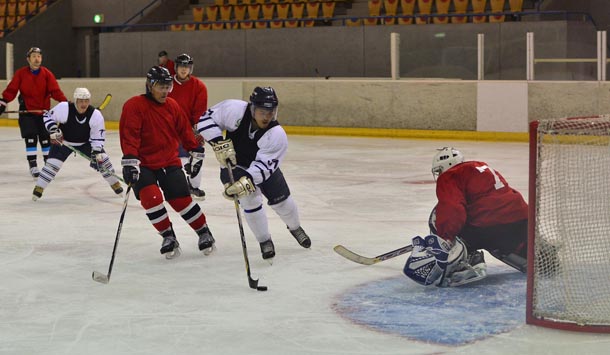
[
  {"x": 105, "y": 102},
  {"x": 350, "y": 255},
  {"x": 98, "y": 276},
  {"x": 253, "y": 283},
  {"x": 89, "y": 158},
  {"x": 26, "y": 111},
  {"x": 101, "y": 107}
]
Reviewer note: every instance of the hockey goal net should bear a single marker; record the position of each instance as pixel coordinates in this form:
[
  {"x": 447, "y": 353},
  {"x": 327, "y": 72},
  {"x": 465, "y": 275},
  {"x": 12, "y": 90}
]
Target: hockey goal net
[{"x": 568, "y": 284}]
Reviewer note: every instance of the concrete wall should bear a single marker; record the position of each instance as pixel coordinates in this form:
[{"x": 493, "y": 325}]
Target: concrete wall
[
  {"x": 116, "y": 12},
  {"x": 429, "y": 105}
]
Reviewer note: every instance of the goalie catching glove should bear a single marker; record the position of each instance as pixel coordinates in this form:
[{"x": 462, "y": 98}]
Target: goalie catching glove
[
  {"x": 224, "y": 152},
  {"x": 239, "y": 188}
]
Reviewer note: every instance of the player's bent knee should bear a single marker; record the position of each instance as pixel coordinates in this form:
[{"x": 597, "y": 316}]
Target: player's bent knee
[{"x": 150, "y": 196}]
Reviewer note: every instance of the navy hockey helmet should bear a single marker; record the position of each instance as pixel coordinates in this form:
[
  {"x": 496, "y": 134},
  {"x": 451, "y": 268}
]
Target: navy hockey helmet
[
  {"x": 264, "y": 97},
  {"x": 184, "y": 59},
  {"x": 158, "y": 75}
]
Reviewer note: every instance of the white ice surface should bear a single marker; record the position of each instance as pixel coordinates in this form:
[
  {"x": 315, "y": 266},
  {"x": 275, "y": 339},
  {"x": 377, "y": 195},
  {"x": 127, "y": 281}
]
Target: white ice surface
[{"x": 371, "y": 195}]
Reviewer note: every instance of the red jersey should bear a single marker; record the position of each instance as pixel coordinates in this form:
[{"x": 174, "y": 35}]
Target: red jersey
[
  {"x": 35, "y": 89},
  {"x": 471, "y": 193},
  {"x": 170, "y": 66},
  {"x": 152, "y": 131},
  {"x": 192, "y": 96}
]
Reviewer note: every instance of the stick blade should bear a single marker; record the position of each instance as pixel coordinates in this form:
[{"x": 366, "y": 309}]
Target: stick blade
[
  {"x": 350, "y": 255},
  {"x": 99, "y": 277}
]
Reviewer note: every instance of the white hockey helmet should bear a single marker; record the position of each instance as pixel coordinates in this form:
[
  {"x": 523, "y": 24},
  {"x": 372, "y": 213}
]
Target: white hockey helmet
[
  {"x": 446, "y": 158},
  {"x": 82, "y": 93}
]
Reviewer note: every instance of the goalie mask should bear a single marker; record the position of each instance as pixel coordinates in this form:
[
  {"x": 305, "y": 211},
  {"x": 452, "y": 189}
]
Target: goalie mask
[{"x": 446, "y": 158}]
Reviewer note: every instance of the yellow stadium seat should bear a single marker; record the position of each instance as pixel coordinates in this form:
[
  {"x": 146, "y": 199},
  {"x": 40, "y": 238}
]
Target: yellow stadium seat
[
  {"x": 478, "y": 6},
  {"x": 11, "y": 9},
  {"x": 240, "y": 12},
  {"x": 407, "y": 6},
  {"x": 211, "y": 12},
  {"x": 312, "y": 9},
  {"x": 268, "y": 10},
  {"x": 276, "y": 24},
  {"x": 496, "y": 18},
  {"x": 442, "y": 6},
  {"x": 260, "y": 24},
  {"x": 370, "y": 21},
  {"x": 424, "y": 6},
  {"x": 516, "y": 5},
  {"x": 460, "y": 6},
  {"x": 176, "y": 27},
  {"x": 440, "y": 20},
  {"x": 353, "y": 22},
  {"x": 479, "y": 19},
  {"x": 22, "y": 8},
  {"x": 389, "y": 20},
  {"x": 405, "y": 21},
  {"x": 190, "y": 26},
  {"x": 282, "y": 10},
  {"x": 218, "y": 26},
  {"x": 291, "y": 23},
  {"x": 297, "y": 9},
  {"x": 390, "y": 7},
  {"x": 497, "y": 6},
  {"x": 3, "y": 10},
  {"x": 42, "y": 5},
  {"x": 254, "y": 11},
  {"x": 225, "y": 12},
  {"x": 219, "y": 2},
  {"x": 232, "y": 2},
  {"x": 246, "y": 25},
  {"x": 197, "y": 13},
  {"x": 205, "y": 26},
  {"x": 374, "y": 7},
  {"x": 32, "y": 6},
  {"x": 232, "y": 25},
  {"x": 328, "y": 9},
  {"x": 307, "y": 23}
]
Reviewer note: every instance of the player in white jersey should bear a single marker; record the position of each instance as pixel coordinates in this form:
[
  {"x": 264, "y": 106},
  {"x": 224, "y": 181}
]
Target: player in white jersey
[
  {"x": 255, "y": 145},
  {"x": 81, "y": 126}
]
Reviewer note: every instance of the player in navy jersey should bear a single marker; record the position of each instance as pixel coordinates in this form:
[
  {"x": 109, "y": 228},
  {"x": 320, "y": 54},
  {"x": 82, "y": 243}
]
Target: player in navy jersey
[
  {"x": 192, "y": 96},
  {"x": 254, "y": 147},
  {"x": 476, "y": 209},
  {"x": 81, "y": 126}
]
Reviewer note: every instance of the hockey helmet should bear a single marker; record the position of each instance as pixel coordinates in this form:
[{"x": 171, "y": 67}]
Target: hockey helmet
[
  {"x": 82, "y": 93},
  {"x": 446, "y": 158},
  {"x": 184, "y": 60},
  {"x": 264, "y": 97},
  {"x": 33, "y": 50},
  {"x": 158, "y": 75}
]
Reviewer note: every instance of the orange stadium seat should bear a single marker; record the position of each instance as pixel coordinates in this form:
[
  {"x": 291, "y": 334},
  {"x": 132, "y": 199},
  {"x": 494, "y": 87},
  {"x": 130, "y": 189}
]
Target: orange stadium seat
[
  {"x": 205, "y": 26},
  {"x": 370, "y": 21},
  {"x": 291, "y": 23},
  {"x": 374, "y": 7},
  {"x": 407, "y": 6},
  {"x": 460, "y": 7},
  {"x": 268, "y": 10},
  {"x": 197, "y": 13},
  {"x": 389, "y": 20},
  {"x": 405, "y": 21},
  {"x": 32, "y": 6},
  {"x": 254, "y": 11},
  {"x": 21, "y": 21},
  {"x": 260, "y": 24},
  {"x": 246, "y": 25},
  {"x": 352, "y": 22},
  {"x": 190, "y": 26},
  {"x": 478, "y": 6},
  {"x": 479, "y": 19},
  {"x": 276, "y": 24},
  {"x": 2, "y": 9},
  {"x": 312, "y": 9},
  {"x": 218, "y": 26},
  {"x": 232, "y": 25},
  {"x": 307, "y": 23},
  {"x": 42, "y": 5},
  {"x": 496, "y": 18},
  {"x": 425, "y": 8},
  {"x": 328, "y": 9},
  {"x": 219, "y": 2},
  {"x": 11, "y": 9},
  {"x": 176, "y": 27},
  {"x": 211, "y": 12},
  {"x": 442, "y": 6},
  {"x": 22, "y": 8},
  {"x": 225, "y": 12},
  {"x": 282, "y": 10},
  {"x": 390, "y": 7},
  {"x": 240, "y": 12},
  {"x": 516, "y": 5},
  {"x": 297, "y": 9},
  {"x": 1, "y": 23},
  {"x": 497, "y": 6},
  {"x": 232, "y": 2}
]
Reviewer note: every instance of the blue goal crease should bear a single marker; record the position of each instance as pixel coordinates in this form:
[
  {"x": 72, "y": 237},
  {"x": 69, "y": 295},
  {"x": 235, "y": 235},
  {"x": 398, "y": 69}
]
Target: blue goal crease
[{"x": 446, "y": 316}]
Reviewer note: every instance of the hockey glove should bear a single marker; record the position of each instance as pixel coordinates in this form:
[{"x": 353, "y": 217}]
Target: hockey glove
[
  {"x": 239, "y": 188},
  {"x": 224, "y": 152},
  {"x": 96, "y": 158},
  {"x": 57, "y": 137},
  {"x": 131, "y": 169},
  {"x": 2, "y": 106},
  {"x": 195, "y": 162}
]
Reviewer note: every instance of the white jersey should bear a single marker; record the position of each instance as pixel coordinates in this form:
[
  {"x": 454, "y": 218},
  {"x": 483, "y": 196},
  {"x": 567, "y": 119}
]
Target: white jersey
[
  {"x": 259, "y": 152},
  {"x": 76, "y": 128}
]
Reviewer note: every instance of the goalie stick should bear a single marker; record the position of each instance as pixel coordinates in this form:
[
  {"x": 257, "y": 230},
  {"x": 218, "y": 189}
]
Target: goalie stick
[
  {"x": 251, "y": 282},
  {"x": 98, "y": 276},
  {"x": 350, "y": 255}
]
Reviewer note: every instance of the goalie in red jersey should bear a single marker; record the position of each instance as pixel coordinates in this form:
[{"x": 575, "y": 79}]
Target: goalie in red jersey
[
  {"x": 151, "y": 128},
  {"x": 476, "y": 209}
]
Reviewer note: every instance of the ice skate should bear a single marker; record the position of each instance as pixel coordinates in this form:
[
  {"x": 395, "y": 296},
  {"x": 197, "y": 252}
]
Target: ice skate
[
  {"x": 301, "y": 237},
  {"x": 268, "y": 250},
  {"x": 117, "y": 188},
  {"x": 34, "y": 169},
  {"x": 206, "y": 240},
  {"x": 170, "y": 246},
  {"x": 197, "y": 193},
  {"x": 37, "y": 193}
]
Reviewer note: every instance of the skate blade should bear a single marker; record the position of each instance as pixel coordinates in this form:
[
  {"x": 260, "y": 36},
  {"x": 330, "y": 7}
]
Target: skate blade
[
  {"x": 198, "y": 198},
  {"x": 99, "y": 277},
  {"x": 208, "y": 251},
  {"x": 173, "y": 254},
  {"x": 270, "y": 260},
  {"x": 35, "y": 198}
]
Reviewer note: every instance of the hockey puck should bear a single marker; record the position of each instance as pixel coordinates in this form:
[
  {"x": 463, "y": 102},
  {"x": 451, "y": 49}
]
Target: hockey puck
[{"x": 261, "y": 288}]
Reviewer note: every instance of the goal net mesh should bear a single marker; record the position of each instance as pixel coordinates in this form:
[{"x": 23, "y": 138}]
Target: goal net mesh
[{"x": 571, "y": 267}]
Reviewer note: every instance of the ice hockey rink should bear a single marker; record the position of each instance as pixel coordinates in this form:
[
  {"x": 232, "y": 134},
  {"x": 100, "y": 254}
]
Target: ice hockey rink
[{"x": 369, "y": 194}]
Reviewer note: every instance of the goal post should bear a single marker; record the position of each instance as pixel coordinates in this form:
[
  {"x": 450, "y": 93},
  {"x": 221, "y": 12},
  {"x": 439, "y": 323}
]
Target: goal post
[{"x": 568, "y": 276}]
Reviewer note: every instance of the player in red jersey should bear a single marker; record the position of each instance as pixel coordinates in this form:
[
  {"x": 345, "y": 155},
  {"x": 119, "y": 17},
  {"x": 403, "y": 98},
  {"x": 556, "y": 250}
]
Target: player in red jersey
[
  {"x": 151, "y": 128},
  {"x": 36, "y": 86},
  {"x": 166, "y": 63},
  {"x": 476, "y": 209},
  {"x": 192, "y": 95}
]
